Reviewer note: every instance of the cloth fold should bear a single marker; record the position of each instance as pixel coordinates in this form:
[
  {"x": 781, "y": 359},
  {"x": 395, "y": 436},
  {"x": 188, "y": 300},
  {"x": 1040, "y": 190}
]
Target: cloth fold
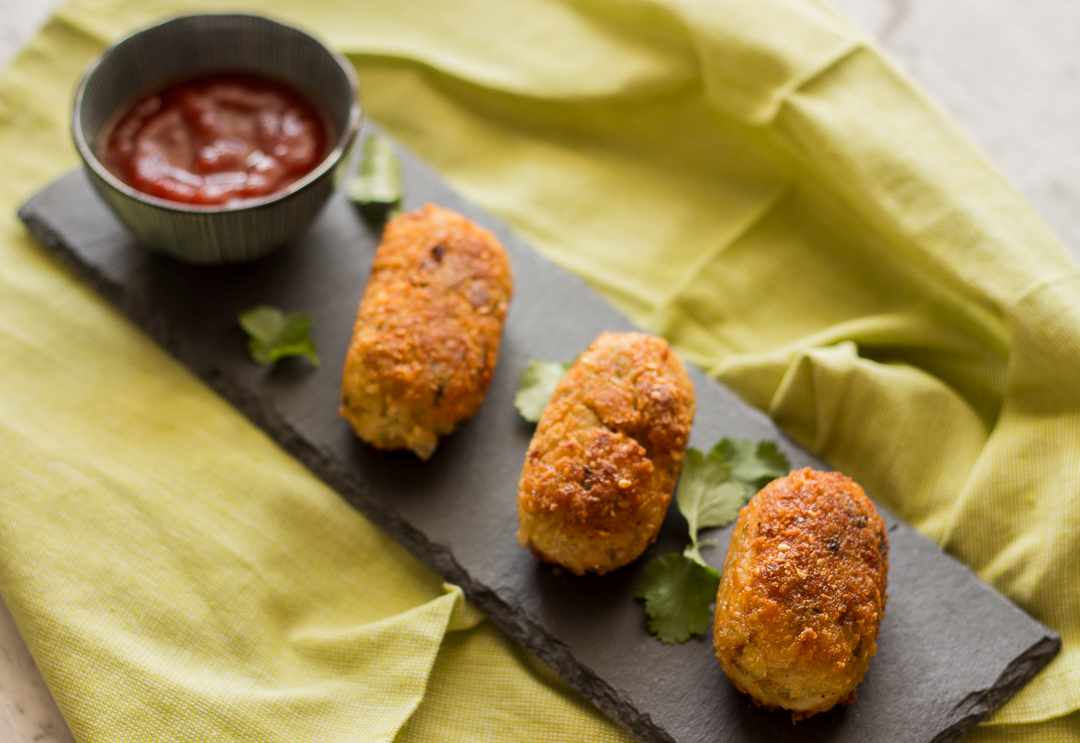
[{"x": 754, "y": 181}]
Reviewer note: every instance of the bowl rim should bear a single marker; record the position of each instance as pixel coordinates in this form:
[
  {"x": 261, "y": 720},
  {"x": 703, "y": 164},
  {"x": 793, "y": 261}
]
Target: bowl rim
[{"x": 344, "y": 139}]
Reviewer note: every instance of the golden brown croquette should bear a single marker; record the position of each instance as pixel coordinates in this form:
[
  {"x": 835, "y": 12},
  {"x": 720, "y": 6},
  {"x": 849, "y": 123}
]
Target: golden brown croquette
[
  {"x": 802, "y": 593},
  {"x": 427, "y": 333},
  {"x": 602, "y": 464}
]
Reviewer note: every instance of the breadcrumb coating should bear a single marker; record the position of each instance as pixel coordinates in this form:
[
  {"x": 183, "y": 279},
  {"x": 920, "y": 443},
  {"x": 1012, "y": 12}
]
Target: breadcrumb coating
[
  {"x": 603, "y": 462},
  {"x": 802, "y": 593},
  {"x": 427, "y": 334}
]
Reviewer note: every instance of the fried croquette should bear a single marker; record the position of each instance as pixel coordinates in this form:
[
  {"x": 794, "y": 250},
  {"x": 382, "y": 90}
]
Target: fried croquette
[
  {"x": 802, "y": 593},
  {"x": 602, "y": 464},
  {"x": 427, "y": 333}
]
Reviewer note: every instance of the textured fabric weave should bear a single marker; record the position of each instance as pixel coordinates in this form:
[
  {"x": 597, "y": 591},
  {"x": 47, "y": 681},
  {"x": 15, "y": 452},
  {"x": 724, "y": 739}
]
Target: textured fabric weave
[{"x": 752, "y": 180}]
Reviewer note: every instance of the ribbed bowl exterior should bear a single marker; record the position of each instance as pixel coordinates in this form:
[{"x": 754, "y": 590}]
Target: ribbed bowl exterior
[{"x": 188, "y": 47}]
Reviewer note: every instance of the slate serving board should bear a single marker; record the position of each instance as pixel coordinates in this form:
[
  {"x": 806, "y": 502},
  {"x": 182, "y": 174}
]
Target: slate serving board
[{"x": 951, "y": 649}]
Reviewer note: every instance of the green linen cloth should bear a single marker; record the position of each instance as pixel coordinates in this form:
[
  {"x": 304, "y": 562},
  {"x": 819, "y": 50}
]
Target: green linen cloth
[{"x": 751, "y": 179}]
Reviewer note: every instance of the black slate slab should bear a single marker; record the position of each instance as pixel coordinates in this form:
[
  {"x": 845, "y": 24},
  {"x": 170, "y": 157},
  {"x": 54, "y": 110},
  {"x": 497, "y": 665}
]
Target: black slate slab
[{"x": 951, "y": 649}]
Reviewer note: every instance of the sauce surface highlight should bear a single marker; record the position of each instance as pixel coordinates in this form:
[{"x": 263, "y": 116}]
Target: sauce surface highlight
[{"x": 217, "y": 139}]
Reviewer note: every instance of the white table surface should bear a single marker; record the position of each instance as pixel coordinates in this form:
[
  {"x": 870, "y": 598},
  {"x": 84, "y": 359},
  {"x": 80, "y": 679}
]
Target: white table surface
[{"x": 1007, "y": 71}]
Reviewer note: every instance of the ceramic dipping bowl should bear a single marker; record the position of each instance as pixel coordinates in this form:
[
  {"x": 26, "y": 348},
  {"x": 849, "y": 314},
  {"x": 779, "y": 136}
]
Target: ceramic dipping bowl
[{"x": 198, "y": 45}]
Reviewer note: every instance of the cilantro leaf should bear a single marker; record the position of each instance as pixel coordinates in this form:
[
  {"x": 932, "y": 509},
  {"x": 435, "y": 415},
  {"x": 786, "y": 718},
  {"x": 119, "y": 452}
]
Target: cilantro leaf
[
  {"x": 755, "y": 465},
  {"x": 535, "y": 387},
  {"x": 273, "y": 335},
  {"x": 713, "y": 488},
  {"x": 705, "y": 496},
  {"x": 677, "y": 592},
  {"x": 377, "y": 181}
]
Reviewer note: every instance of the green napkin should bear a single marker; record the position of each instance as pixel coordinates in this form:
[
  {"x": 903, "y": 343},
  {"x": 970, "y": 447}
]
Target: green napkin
[{"x": 752, "y": 180}]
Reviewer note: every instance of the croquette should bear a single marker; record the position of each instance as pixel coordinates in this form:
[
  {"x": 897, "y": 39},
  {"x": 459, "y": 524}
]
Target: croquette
[
  {"x": 602, "y": 465},
  {"x": 426, "y": 337},
  {"x": 802, "y": 593}
]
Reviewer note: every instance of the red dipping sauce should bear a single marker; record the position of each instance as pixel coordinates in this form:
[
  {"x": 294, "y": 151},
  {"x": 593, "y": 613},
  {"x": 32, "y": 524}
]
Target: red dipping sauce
[{"x": 217, "y": 139}]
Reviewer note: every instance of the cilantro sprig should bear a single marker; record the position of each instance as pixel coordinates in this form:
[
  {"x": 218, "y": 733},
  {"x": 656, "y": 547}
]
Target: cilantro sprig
[
  {"x": 377, "y": 185},
  {"x": 536, "y": 386},
  {"x": 273, "y": 334},
  {"x": 678, "y": 588}
]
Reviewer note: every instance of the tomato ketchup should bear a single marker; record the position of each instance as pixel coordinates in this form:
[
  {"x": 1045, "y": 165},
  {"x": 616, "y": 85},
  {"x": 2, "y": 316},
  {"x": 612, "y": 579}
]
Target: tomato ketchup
[{"x": 215, "y": 140}]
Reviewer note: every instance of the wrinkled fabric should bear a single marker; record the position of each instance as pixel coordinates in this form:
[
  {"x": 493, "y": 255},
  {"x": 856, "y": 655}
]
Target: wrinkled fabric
[{"x": 752, "y": 180}]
